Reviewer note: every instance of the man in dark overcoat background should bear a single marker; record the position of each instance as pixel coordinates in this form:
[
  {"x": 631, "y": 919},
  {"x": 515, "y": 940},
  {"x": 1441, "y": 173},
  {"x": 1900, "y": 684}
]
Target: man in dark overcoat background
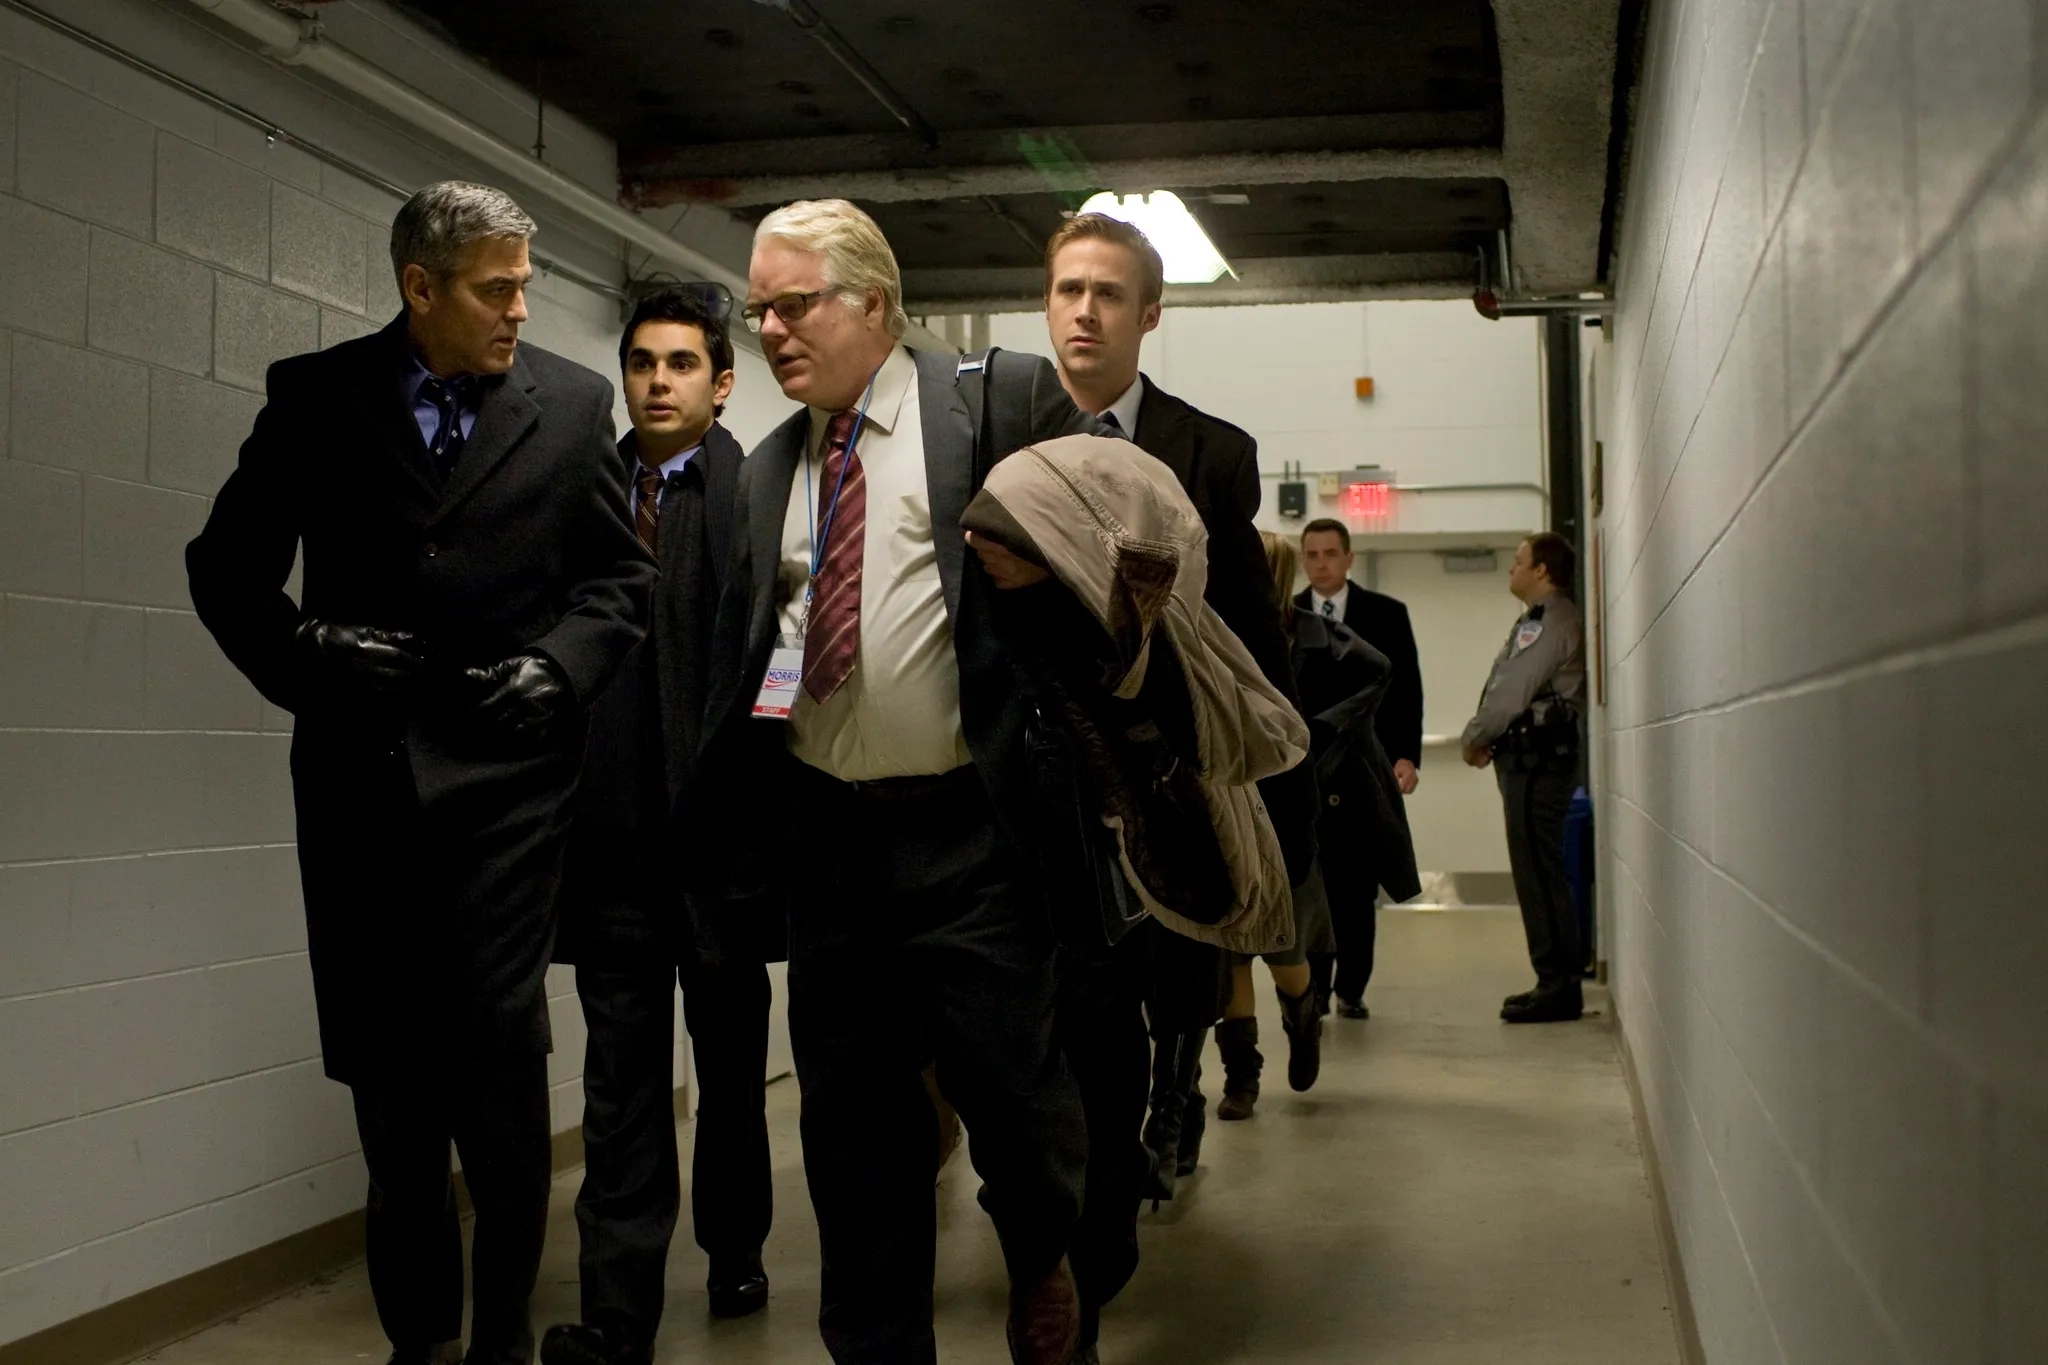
[
  {"x": 1382, "y": 622},
  {"x": 470, "y": 583},
  {"x": 627, "y": 926}
]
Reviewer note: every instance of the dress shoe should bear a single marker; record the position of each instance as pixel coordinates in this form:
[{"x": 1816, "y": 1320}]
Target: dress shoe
[
  {"x": 1546, "y": 1007},
  {"x": 737, "y": 1285},
  {"x": 440, "y": 1353},
  {"x": 1044, "y": 1327},
  {"x": 1353, "y": 1009},
  {"x": 576, "y": 1344}
]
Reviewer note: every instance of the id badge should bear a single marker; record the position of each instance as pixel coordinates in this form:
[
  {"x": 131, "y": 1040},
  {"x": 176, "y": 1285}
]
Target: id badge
[{"x": 780, "y": 684}]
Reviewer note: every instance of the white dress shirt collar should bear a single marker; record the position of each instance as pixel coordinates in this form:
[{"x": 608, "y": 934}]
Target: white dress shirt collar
[
  {"x": 885, "y": 405},
  {"x": 1125, "y": 408},
  {"x": 674, "y": 464},
  {"x": 1338, "y": 601}
]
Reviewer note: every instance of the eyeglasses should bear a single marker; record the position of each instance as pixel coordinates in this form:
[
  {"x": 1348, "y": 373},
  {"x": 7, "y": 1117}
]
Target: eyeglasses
[{"x": 788, "y": 307}]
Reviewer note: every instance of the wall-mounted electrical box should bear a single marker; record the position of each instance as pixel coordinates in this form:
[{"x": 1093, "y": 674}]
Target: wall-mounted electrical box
[
  {"x": 1293, "y": 500},
  {"x": 1329, "y": 485}
]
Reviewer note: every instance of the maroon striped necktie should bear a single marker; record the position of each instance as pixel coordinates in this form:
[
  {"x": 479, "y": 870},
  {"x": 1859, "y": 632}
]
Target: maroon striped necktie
[
  {"x": 647, "y": 509},
  {"x": 832, "y": 637}
]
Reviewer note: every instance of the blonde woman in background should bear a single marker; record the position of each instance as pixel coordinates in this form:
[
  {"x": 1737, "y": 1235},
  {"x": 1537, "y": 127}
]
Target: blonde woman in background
[{"x": 1341, "y": 680}]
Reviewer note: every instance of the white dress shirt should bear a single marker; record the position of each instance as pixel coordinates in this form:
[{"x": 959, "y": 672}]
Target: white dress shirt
[
  {"x": 898, "y": 715},
  {"x": 1125, "y": 409},
  {"x": 1337, "y": 603}
]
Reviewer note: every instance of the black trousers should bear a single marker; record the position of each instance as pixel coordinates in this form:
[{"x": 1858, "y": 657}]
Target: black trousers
[
  {"x": 1351, "y": 884},
  {"x": 495, "y": 1112},
  {"x": 631, "y": 1195},
  {"x": 1537, "y": 794},
  {"x": 915, "y": 938},
  {"x": 1154, "y": 985},
  {"x": 1103, "y": 1035}
]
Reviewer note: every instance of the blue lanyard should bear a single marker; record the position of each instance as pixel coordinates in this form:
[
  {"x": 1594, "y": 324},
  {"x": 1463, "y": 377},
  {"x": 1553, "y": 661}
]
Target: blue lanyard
[{"x": 823, "y": 534}]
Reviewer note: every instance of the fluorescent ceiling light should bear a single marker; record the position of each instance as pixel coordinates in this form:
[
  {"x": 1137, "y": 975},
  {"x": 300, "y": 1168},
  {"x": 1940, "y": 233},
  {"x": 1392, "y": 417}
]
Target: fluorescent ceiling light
[{"x": 1190, "y": 257}]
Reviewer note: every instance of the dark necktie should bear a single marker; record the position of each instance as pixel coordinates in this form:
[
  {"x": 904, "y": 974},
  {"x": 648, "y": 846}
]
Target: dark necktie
[
  {"x": 1330, "y": 610},
  {"x": 647, "y": 515},
  {"x": 1109, "y": 420},
  {"x": 832, "y": 637},
  {"x": 446, "y": 448}
]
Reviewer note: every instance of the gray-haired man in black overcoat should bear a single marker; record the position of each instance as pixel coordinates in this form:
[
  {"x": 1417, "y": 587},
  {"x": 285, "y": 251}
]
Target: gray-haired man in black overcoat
[{"x": 470, "y": 582}]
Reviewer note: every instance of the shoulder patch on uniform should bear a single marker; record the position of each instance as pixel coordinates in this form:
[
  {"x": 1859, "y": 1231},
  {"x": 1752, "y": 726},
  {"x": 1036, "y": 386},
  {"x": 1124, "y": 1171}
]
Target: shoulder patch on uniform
[{"x": 1526, "y": 634}]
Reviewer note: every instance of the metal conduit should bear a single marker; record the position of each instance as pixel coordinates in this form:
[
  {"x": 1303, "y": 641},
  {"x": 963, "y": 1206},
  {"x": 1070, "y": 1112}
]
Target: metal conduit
[{"x": 299, "y": 42}]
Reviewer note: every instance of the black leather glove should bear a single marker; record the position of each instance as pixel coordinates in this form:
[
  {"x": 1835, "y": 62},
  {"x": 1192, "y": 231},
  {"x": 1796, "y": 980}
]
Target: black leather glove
[
  {"x": 523, "y": 695},
  {"x": 359, "y": 658}
]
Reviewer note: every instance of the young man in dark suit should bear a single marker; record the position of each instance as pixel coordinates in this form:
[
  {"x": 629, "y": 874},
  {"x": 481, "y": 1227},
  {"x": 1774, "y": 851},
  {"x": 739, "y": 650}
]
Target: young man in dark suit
[
  {"x": 1382, "y": 622},
  {"x": 1103, "y": 285},
  {"x": 868, "y": 751},
  {"x": 627, "y": 926},
  {"x": 470, "y": 585}
]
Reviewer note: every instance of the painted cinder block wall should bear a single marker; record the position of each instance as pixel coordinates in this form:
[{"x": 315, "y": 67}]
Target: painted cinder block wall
[
  {"x": 1827, "y": 620},
  {"x": 162, "y": 1106}
]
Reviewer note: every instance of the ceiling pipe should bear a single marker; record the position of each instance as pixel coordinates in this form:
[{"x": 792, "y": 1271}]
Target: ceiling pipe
[
  {"x": 814, "y": 24},
  {"x": 1532, "y": 308},
  {"x": 299, "y": 42}
]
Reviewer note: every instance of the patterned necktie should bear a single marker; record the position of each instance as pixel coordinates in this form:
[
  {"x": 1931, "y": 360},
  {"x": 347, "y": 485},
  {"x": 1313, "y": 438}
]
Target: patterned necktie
[
  {"x": 1330, "y": 610},
  {"x": 446, "y": 448},
  {"x": 832, "y": 638},
  {"x": 647, "y": 509}
]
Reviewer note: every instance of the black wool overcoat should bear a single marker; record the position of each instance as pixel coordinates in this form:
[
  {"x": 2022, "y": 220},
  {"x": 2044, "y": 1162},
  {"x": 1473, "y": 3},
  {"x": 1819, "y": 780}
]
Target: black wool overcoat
[{"x": 430, "y": 847}]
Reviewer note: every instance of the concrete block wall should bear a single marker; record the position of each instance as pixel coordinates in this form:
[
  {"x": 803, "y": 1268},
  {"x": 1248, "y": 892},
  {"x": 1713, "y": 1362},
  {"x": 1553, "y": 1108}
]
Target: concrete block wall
[
  {"x": 1827, "y": 625},
  {"x": 162, "y": 1106}
]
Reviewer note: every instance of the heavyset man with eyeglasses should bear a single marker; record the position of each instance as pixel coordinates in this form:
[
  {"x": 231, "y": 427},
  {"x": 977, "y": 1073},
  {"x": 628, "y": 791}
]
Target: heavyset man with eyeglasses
[{"x": 868, "y": 743}]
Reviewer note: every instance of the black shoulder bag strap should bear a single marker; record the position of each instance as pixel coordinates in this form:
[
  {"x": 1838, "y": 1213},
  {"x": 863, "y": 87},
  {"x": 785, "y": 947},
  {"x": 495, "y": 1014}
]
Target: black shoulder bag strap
[{"x": 972, "y": 377}]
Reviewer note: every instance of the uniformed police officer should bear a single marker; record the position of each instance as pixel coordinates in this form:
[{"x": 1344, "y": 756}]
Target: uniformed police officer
[{"x": 1528, "y": 728}]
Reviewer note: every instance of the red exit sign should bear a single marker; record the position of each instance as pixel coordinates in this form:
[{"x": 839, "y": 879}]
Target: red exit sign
[{"x": 1367, "y": 501}]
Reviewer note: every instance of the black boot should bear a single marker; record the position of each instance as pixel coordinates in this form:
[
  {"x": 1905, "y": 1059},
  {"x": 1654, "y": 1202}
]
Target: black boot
[
  {"x": 1194, "y": 1121},
  {"x": 1238, "y": 1041},
  {"x": 1322, "y": 968},
  {"x": 1174, "y": 1059},
  {"x": 1304, "y": 1029}
]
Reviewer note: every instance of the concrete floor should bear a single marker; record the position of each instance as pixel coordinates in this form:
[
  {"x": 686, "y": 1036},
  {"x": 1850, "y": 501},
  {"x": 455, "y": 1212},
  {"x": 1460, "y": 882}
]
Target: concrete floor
[{"x": 1453, "y": 1191}]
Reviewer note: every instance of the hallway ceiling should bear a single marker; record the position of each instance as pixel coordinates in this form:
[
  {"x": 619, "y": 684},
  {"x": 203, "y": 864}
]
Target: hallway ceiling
[{"x": 1331, "y": 148}]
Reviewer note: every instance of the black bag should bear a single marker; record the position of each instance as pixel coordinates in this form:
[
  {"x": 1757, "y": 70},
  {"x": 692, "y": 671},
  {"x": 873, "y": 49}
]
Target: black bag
[{"x": 1086, "y": 898}]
